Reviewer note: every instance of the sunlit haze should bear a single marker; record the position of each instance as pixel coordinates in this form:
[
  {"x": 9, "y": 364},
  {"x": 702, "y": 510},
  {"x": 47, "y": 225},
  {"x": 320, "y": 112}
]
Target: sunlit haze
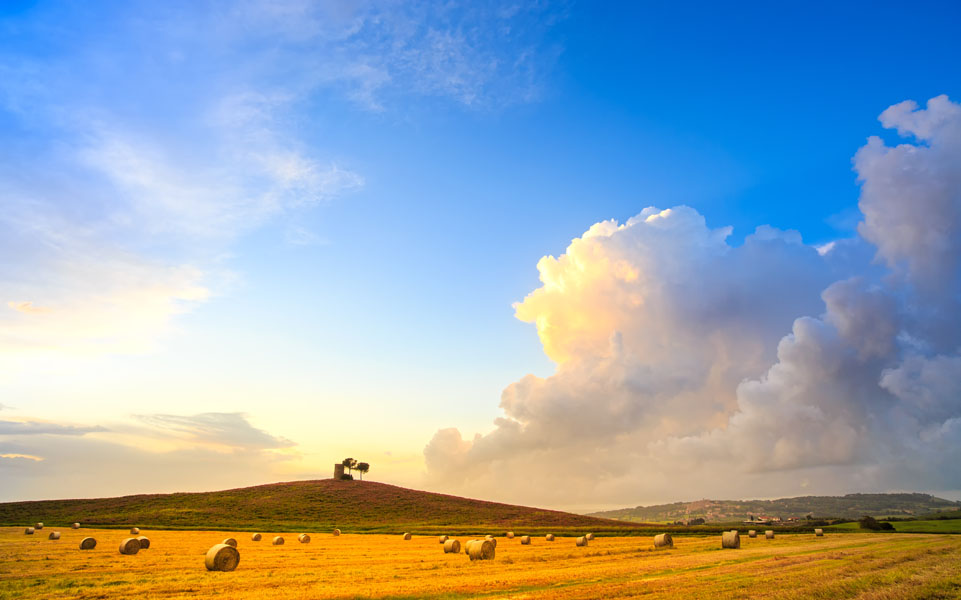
[{"x": 575, "y": 255}]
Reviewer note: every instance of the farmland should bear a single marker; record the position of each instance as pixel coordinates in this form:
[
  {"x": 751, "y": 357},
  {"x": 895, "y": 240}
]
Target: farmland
[
  {"x": 931, "y": 526},
  {"x": 361, "y": 506},
  {"x": 863, "y": 565}
]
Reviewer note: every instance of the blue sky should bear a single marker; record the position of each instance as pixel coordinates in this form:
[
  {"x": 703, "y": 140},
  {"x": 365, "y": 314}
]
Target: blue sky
[{"x": 319, "y": 215}]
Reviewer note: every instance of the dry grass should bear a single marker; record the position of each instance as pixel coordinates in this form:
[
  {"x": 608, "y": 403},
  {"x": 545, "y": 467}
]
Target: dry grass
[{"x": 868, "y": 566}]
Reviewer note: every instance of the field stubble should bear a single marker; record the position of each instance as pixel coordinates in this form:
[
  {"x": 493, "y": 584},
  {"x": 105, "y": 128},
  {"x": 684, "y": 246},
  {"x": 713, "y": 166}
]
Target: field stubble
[{"x": 870, "y": 566}]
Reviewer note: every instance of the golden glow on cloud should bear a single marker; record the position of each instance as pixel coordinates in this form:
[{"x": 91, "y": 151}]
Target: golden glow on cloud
[
  {"x": 27, "y": 308},
  {"x": 22, "y": 456}
]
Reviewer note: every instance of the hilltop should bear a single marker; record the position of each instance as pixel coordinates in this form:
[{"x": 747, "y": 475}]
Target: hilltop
[
  {"x": 361, "y": 506},
  {"x": 851, "y": 506}
]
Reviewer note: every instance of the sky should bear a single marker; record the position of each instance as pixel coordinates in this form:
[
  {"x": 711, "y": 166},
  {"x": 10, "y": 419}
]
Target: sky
[{"x": 566, "y": 254}]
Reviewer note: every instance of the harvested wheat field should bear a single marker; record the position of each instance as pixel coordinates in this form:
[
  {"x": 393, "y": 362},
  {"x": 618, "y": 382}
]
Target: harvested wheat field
[{"x": 889, "y": 566}]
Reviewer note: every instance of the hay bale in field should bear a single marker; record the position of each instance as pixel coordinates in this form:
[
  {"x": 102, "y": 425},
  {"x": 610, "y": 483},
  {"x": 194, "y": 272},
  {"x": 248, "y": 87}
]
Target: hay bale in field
[
  {"x": 38, "y": 526},
  {"x": 278, "y": 541},
  {"x": 752, "y": 534},
  {"x": 75, "y": 526},
  {"x": 819, "y": 532},
  {"x": 581, "y": 541},
  {"x": 407, "y": 537},
  {"x": 452, "y": 547},
  {"x": 88, "y": 543},
  {"x": 255, "y": 537},
  {"x": 222, "y": 558},
  {"x": 144, "y": 542},
  {"x": 130, "y": 546},
  {"x": 590, "y": 537},
  {"x": 549, "y": 537},
  {"x": 336, "y": 532},
  {"x": 134, "y": 531},
  {"x": 467, "y": 546},
  {"x": 510, "y": 535},
  {"x": 663, "y": 540},
  {"x": 230, "y": 542},
  {"x": 28, "y": 531},
  {"x": 303, "y": 538},
  {"x": 769, "y": 534},
  {"x": 492, "y": 539},
  {"x": 54, "y": 535},
  {"x": 730, "y": 539},
  {"x": 481, "y": 550},
  {"x": 526, "y": 540},
  {"x": 442, "y": 539}
]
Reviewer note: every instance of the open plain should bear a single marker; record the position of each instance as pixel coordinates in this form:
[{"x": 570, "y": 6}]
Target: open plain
[{"x": 850, "y": 565}]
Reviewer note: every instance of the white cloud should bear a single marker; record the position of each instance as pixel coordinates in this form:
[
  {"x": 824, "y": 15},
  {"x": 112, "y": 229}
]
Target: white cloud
[{"x": 673, "y": 379}]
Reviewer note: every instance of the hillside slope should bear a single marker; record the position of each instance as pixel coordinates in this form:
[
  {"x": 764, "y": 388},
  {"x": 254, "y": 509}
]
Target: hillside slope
[
  {"x": 851, "y": 506},
  {"x": 302, "y": 505}
]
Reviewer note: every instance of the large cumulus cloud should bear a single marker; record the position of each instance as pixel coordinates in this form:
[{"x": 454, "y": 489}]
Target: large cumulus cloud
[{"x": 688, "y": 366}]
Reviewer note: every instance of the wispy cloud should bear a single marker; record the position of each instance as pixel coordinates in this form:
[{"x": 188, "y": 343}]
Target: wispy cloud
[
  {"x": 44, "y": 428},
  {"x": 181, "y": 452},
  {"x": 136, "y": 171},
  {"x": 222, "y": 429}
]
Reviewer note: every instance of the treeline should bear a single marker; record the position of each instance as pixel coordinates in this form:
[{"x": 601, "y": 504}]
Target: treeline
[{"x": 849, "y": 507}]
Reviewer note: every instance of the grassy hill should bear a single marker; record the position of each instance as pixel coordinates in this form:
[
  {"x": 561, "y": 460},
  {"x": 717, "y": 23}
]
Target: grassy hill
[
  {"x": 851, "y": 506},
  {"x": 360, "y": 506}
]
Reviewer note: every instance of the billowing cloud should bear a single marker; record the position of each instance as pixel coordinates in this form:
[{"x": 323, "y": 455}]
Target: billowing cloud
[{"x": 674, "y": 370}]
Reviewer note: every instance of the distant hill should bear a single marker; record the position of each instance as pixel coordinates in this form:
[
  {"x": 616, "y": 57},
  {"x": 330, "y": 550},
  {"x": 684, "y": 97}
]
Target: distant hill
[
  {"x": 851, "y": 506},
  {"x": 361, "y": 506}
]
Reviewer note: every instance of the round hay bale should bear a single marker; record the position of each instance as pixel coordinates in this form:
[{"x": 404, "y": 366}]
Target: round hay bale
[
  {"x": 28, "y": 531},
  {"x": 819, "y": 532},
  {"x": 230, "y": 542},
  {"x": 144, "y": 542},
  {"x": 336, "y": 532},
  {"x": 526, "y": 540},
  {"x": 442, "y": 539},
  {"x": 730, "y": 539},
  {"x": 663, "y": 540},
  {"x": 510, "y": 535},
  {"x": 38, "y": 526},
  {"x": 769, "y": 534},
  {"x": 590, "y": 537},
  {"x": 303, "y": 538},
  {"x": 452, "y": 547},
  {"x": 581, "y": 541},
  {"x": 130, "y": 546},
  {"x": 407, "y": 537},
  {"x": 752, "y": 534},
  {"x": 134, "y": 531},
  {"x": 278, "y": 541},
  {"x": 492, "y": 539},
  {"x": 481, "y": 550},
  {"x": 75, "y": 526},
  {"x": 54, "y": 535},
  {"x": 88, "y": 543},
  {"x": 467, "y": 546},
  {"x": 549, "y": 537},
  {"x": 222, "y": 558},
  {"x": 255, "y": 537}
]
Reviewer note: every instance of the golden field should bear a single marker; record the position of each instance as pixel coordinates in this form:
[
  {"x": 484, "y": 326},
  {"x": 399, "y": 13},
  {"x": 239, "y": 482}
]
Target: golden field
[{"x": 876, "y": 566}]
